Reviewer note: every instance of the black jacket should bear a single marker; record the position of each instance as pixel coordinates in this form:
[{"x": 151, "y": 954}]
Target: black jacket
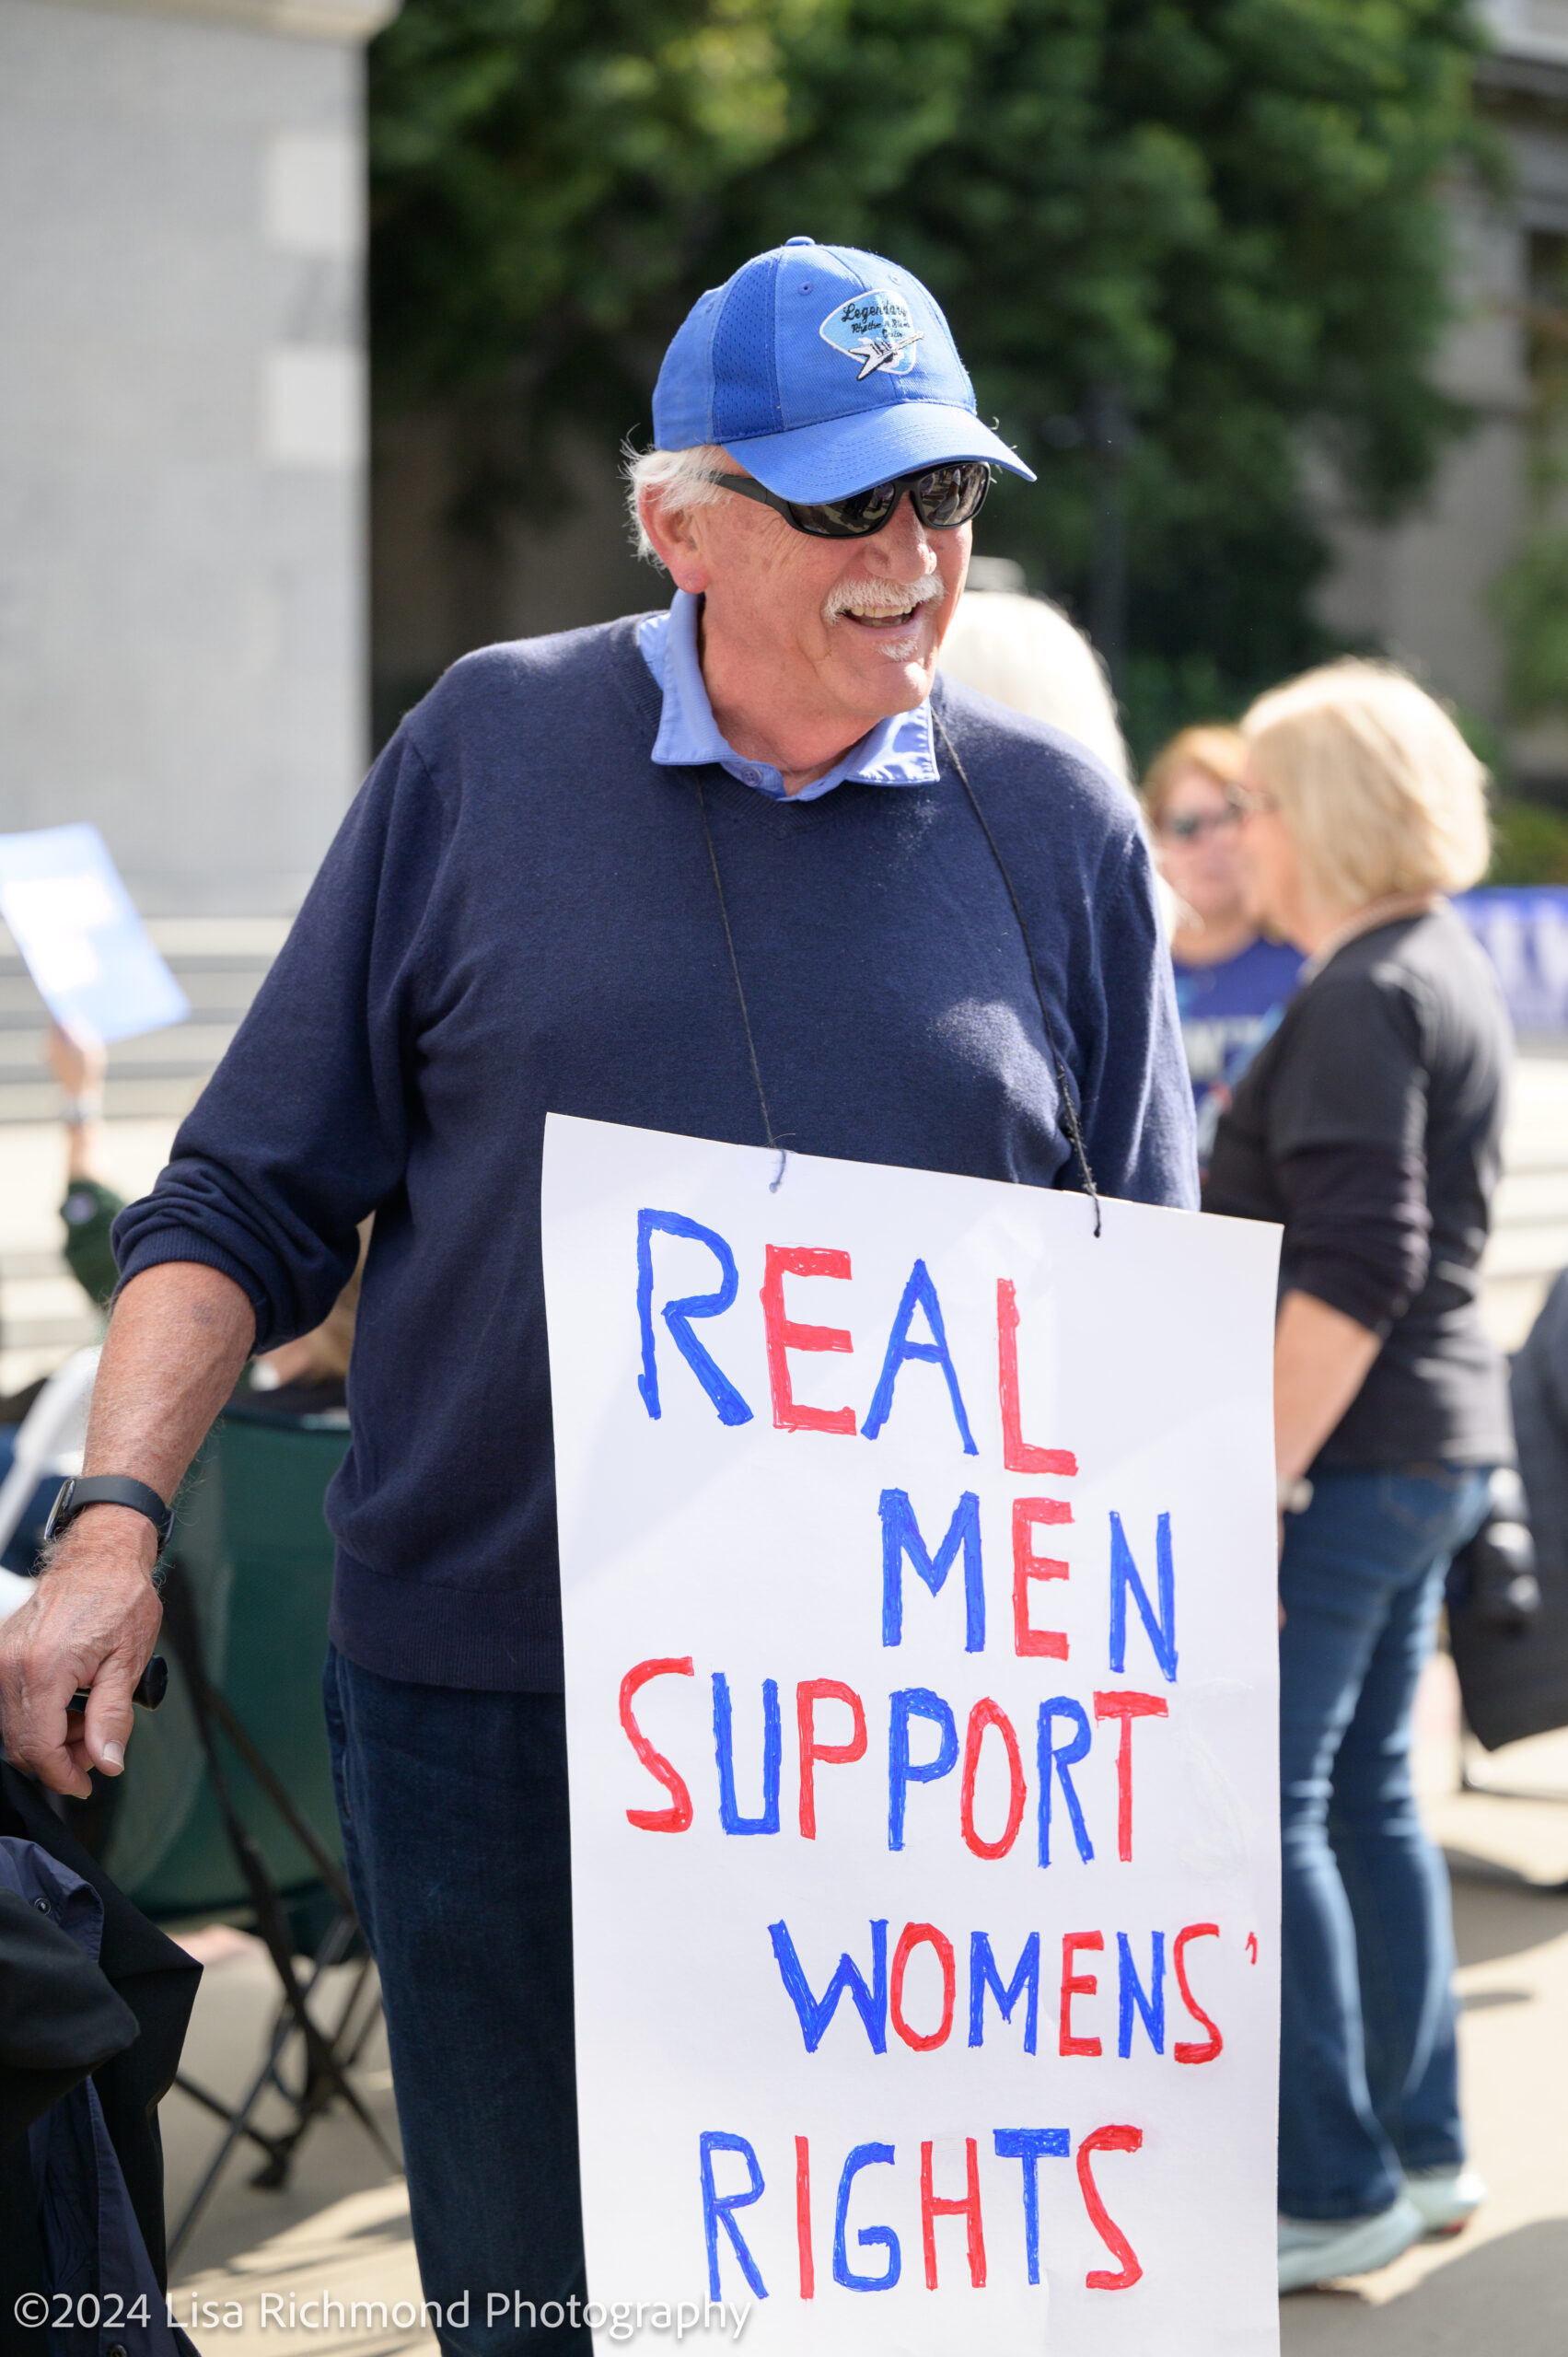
[
  {"x": 1370, "y": 1123},
  {"x": 123, "y": 2021}
]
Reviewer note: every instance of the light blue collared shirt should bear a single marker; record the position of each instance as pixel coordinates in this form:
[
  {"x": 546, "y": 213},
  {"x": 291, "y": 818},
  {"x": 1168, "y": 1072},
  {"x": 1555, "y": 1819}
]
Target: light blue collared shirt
[{"x": 896, "y": 752}]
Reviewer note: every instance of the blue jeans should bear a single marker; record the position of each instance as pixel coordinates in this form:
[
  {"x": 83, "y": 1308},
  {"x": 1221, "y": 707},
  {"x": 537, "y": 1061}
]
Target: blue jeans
[
  {"x": 454, "y": 1819},
  {"x": 1368, "y": 2078}
]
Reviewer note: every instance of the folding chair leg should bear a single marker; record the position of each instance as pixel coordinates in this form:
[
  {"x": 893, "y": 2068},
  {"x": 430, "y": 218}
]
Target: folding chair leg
[
  {"x": 325, "y": 2064},
  {"x": 238, "y": 2126},
  {"x": 317, "y": 2093}
]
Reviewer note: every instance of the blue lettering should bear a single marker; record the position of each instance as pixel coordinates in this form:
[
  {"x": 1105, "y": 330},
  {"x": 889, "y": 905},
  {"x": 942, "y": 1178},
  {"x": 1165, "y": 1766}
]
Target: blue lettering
[
  {"x": 983, "y": 1975},
  {"x": 902, "y": 1537},
  {"x": 1152, "y": 2007},
  {"x": 870, "y": 2237},
  {"x": 1063, "y": 1757},
  {"x": 915, "y": 1703},
  {"x": 719, "y": 2209},
  {"x": 816, "y": 2012},
  {"x": 677, "y": 1315},
  {"x": 1161, "y": 1627},
  {"x": 1031, "y": 2146},
  {"x": 772, "y": 1756},
  {"x": 920, "y": 1293}
]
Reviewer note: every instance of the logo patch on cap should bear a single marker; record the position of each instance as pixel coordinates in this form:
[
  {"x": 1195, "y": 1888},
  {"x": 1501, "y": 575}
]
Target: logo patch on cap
[{"x": 875, "y": 330}]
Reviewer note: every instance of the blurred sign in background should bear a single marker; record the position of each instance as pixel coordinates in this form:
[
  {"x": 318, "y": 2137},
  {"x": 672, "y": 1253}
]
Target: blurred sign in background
[
  {"x": 85, "y": 946},
  {"x": 1525, "y": 934}
]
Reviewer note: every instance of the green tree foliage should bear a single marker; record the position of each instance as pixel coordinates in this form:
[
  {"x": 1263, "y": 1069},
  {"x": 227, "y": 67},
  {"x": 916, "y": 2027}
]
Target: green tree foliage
[
  {"x": 1529, "y": 596},
  {"x": 547, "y": 175},
  {"x": 1530, "y": 843},
  {"x": 1219, "y": 211},
  {"x": 1529, "y": 601}
]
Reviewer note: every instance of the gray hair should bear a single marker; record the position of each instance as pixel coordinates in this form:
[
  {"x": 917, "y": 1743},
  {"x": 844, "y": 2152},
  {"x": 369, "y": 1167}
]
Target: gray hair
[{"x": 677, "y": 479}]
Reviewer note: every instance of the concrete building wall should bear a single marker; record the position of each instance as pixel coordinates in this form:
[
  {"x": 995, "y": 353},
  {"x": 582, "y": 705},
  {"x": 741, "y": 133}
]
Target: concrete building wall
[
  {"x": 438, "y": 589},
  {"x": 181, "y": 436},
  {"x": 1421, "y": 590},
  {"x": 1418, "y": 591}
]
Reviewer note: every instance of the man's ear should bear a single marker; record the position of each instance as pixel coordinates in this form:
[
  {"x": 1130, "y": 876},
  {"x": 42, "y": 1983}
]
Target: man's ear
[{"x": 678, "y": 544}]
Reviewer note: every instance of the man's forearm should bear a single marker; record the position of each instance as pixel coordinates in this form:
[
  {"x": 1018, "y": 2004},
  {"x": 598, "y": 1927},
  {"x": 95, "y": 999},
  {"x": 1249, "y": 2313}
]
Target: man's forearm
[{"x": 177, "y": 1340}]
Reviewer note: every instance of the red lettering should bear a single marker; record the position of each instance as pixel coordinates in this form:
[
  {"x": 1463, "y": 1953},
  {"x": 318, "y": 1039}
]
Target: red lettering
[
  {"x": 987, "y": 1713},
  {"x": 912, "y": 1937},
  {"x": 1127, "y": 1706},
  {"x": 678, "y": 1817},
  {"x": 807, "y": 1694},
  {"x": 1027, "y": 1566},
  {"x": 931, "y": 2209},
  {"x": 800, "y": 1260},
  {"x": 1018, "y": 1455},
  {"x": 803, "y": 2217},
  {"x": 1076, "y": 1984},
  {"x": 1189, "y": 2050},
  {"x": 1108, "y": 2140}
]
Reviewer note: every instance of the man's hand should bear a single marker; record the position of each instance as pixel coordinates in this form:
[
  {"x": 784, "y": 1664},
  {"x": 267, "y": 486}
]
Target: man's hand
[
  {"x": 93, "y": 1622},
  {"x": 178, "y": 1338}
]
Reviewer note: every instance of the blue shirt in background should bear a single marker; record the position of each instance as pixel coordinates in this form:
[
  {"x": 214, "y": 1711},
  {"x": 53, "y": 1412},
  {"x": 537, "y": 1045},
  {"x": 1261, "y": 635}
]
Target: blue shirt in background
[{"x": 1228, "y": 1011}]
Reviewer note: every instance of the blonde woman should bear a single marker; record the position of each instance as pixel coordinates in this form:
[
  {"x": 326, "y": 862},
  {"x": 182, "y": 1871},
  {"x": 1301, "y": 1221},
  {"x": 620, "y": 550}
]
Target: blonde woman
[
  {"x": 1368, "y": 1124},
  {"x": 1231, "y": 982}
]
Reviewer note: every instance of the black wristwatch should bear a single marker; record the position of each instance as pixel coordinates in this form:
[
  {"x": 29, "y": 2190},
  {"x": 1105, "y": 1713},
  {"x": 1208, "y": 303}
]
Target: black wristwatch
[{"x": 108, "y": 1490}]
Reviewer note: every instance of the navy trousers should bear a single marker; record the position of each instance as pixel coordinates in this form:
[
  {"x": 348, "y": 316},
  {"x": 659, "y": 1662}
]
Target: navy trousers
[
  {"x": 455, "y": 1829},
  {"x": 1369, "y": 2074}
]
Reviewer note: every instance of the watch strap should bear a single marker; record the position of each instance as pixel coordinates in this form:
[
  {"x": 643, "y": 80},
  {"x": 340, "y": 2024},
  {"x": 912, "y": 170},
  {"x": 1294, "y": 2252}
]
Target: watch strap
[{"x": 108, "y": 1490}]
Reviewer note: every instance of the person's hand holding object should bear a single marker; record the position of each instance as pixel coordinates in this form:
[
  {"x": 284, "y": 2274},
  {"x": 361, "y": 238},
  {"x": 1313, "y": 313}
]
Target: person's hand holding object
[
  {"x": 92, "y": 1623},
  {"x": 178, "y": 1337}
]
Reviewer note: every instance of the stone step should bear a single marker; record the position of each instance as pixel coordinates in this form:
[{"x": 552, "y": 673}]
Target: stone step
[
  {"x": 1537, "y": 1251},
  {"x": 1531, "y": 1195},
  {"x": 219, "y": 962}
]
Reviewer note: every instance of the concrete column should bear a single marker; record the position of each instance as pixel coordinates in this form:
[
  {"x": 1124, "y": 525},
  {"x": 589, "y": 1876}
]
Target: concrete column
[{"x": 182, "y": 436}]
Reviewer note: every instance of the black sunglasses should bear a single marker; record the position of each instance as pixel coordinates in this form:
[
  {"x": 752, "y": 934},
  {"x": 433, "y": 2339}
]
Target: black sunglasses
[{"x": 943, "y": 498}]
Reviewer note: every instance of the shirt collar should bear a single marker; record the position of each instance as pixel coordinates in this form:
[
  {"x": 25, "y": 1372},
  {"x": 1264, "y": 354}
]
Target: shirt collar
[{"x": 898, "y": 751}]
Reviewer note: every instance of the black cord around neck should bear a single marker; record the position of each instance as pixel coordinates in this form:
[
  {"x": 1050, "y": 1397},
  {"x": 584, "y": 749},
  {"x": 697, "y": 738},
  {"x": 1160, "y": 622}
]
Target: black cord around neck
[
  {"x": 739, "y": 985},
  {"x": 1070, "y": 1118},
  {"x": 1071, "y": 1122}
]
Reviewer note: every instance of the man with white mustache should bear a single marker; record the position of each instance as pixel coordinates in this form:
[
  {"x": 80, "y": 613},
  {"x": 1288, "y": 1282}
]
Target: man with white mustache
[{"x": 736, "y": 870}]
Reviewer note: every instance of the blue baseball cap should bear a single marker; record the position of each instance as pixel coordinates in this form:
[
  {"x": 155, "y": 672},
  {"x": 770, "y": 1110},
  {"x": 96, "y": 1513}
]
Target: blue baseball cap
[{"x": 821, "y": 370}]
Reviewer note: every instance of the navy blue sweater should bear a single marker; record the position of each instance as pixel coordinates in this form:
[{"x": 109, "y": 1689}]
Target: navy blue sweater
[{"x": 519, "y": 916}]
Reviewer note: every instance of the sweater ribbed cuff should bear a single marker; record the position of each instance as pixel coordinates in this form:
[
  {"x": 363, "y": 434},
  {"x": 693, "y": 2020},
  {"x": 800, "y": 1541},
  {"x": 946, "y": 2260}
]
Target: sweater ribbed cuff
[{"x": 165, "y": 1244}]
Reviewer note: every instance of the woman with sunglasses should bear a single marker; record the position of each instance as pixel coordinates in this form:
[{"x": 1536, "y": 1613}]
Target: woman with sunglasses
[
  {"x": 1368, "y": 1125},
  {"x": 1231, "y": 980}
]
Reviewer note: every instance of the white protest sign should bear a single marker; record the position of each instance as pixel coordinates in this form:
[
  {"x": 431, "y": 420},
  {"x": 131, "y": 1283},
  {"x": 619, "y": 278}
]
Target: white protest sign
[
  {"x": 86, "y": 948},
  {"x": 918, "y": 1567}
]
